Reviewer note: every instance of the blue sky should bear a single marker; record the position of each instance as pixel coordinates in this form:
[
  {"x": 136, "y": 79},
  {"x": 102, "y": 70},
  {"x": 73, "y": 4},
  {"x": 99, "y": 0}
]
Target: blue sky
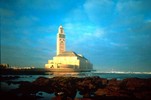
[{"x": 112, "y": 34}]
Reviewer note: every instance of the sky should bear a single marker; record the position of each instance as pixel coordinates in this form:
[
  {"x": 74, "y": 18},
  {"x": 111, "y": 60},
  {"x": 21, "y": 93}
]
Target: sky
[{"x": 111, "y": 34}]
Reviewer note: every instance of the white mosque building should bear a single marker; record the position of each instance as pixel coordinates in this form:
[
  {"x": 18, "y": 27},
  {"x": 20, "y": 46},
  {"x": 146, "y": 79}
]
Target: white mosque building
[{"x": 67, "y": 60}]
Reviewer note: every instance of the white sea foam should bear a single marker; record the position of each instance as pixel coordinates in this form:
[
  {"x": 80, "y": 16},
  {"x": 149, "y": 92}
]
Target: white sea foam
[{"x": 121, "y": 72}]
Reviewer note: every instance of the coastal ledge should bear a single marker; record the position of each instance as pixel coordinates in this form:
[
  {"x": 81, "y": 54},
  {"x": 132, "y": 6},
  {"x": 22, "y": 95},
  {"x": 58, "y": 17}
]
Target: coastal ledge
[{"x": 91, "y": 88}]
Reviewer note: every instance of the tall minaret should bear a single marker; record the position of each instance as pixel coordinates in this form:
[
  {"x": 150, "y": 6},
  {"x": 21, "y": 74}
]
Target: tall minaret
[{"x": 61, "y": 47}]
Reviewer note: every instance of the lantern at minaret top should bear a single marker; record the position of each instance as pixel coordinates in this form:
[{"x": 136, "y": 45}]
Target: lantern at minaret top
[{"x": 61, "y": 47}]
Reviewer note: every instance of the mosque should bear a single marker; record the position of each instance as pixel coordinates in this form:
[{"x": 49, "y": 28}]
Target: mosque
[{"x": 67, "y": 60}]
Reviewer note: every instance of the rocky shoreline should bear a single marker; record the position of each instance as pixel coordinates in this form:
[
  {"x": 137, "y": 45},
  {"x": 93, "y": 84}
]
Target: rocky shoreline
[{"x": 91, "y": 88}]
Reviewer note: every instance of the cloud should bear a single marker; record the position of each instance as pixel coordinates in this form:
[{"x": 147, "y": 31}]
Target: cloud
[
  {"x": 99, "y": 33},
  {"x": 117, "y": 44},
  {"x": 23, "y": 38},
  {"x": 120, "y": 14},
  {"x": 99, "y": 11},
  {"x": 107, "y": 32},
  {"x": 76, "y": 15},
  {"x": 148, "y": 21},
  {"x": 6, "y": 12},
  {"x": 82, "y": 32},
  {"x": 129, "y": 7},
  {"x": 41, "y": 5},
  {"x": 35, "y": 4},
  {"x": 132, "y": 12}
]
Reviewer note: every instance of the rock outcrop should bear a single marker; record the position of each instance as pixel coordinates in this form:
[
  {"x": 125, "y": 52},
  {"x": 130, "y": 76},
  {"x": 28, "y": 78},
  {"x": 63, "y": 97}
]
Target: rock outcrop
[{"x": 93, "y": 88}]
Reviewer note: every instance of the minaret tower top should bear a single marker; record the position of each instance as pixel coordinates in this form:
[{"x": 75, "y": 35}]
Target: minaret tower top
[
  {"x": 60, "y": 30},
  {"x": 61, "y": 47}
]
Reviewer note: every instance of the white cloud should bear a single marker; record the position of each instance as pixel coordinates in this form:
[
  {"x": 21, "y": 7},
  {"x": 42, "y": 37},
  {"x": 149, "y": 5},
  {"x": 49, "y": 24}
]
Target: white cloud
[
  {"x": 78, "y": 34},
  {"x": 148, "y": 21},
  {"x": 129, "y": 8},
  {"x": 99, "y": 33},
  {"x": 117, "y": 44},
  {"x": 84, "y": 30},
  {"x": 76, "y": 15},
  {"x": 98, "y": 11}
]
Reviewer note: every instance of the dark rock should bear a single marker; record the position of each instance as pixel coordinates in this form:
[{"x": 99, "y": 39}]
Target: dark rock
[
  {"x": 93, "y": 88},
  {"x": 88, "y": 86},
  {"x": 140, "y": 88},
  {"x": 136, "y": 84},
  {"x": 132, "y": 88},
  {"x": 27, "y": 88},
  {"x": 43, "y": 84}
]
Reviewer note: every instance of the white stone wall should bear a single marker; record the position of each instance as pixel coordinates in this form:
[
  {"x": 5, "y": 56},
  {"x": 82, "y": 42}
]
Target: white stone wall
[{"x": 73, "y": 62}]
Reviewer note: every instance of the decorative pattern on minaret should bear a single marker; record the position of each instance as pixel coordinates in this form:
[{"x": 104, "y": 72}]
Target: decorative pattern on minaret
[{"x": 60, "y": 41}]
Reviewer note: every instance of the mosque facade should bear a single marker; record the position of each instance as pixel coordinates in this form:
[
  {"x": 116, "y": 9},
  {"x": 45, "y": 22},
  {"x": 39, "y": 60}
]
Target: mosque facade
[{"x": 67, "y": 60}]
